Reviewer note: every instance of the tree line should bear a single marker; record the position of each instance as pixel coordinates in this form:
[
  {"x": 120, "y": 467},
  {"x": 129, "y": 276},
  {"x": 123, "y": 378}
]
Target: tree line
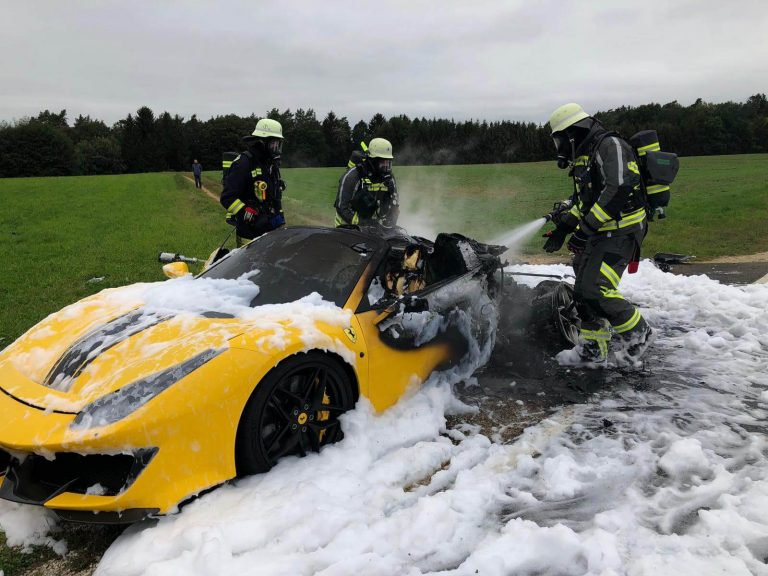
[{"x": 48, "y": 145}]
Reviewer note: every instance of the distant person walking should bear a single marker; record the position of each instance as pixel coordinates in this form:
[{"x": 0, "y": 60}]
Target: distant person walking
[{"x": 197, "y": 170}]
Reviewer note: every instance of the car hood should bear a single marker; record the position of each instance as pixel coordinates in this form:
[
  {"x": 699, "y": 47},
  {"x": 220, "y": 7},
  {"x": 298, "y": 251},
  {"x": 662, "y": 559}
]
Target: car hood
[{"x": 102, "y": 343}]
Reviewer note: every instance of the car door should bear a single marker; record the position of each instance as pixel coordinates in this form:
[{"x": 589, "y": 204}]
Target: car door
[{"x": 409, "y": 337}]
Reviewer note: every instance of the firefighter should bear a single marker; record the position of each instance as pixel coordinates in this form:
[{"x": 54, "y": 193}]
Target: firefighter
[
  {"x": 606, "y": 218},
  {"x": 253, "y": 188},
  {"x": 367, "y": 191}
]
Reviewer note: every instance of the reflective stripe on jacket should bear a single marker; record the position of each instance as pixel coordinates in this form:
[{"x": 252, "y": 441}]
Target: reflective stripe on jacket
[{"x": 610, "y": 195}]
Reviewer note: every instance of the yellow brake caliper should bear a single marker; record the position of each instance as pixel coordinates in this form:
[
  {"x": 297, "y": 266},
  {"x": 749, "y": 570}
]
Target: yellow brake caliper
[{"x": 324, "y": 415}]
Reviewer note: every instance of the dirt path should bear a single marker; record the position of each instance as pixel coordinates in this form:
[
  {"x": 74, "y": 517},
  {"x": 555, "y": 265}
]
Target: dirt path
[
  {"x": 539, "y": 258},
  {"x": 204, "y": 189}
]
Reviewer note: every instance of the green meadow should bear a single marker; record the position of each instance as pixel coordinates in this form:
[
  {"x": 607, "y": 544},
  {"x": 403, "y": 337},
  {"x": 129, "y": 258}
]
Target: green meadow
[{"x": 65, "y": 238}]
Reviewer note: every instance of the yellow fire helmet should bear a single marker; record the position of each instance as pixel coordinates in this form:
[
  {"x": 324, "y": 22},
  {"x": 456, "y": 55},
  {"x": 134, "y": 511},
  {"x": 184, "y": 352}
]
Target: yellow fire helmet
[
  {"x": 565, "y": 116},
  {"x": 268, "y": 128},
  {"x": 380, "y": 148}
]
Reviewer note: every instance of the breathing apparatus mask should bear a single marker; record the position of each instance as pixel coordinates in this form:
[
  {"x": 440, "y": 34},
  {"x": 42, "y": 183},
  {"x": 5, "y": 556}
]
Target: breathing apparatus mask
[
  {"x": 379, "y": 167},
  {"x": 274, "y": 146},
  {"x": 566, "y": 149},
  {"x": 569, "y": 140},
  {"x": 383, "y": 166},
  {"x": 271, "y": 147}
]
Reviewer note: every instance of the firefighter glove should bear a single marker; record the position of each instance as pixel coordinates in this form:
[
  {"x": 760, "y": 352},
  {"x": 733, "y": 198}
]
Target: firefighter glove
[
  {"x": 368, "y": 203},
  {"x": 281, "y": 185},
  {"x": 276, "y": 221},
  {"x": 555, "y": 239},
  {"x": 577, "y": 242},
  {"x": 250, "y": 214}
]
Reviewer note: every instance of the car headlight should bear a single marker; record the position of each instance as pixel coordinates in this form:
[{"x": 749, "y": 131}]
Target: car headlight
[{"x": 120, "y": 403}]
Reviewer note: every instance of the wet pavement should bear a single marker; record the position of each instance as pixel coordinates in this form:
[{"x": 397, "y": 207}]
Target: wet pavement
[
  {"x": 522, "y": 383},
  {"x": 511, "y": 395},
  {"x": 725, "y": 273}
]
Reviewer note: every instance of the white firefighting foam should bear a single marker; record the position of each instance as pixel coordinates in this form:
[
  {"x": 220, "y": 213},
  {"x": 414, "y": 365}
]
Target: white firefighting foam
[{"x": 676, "y": 484}]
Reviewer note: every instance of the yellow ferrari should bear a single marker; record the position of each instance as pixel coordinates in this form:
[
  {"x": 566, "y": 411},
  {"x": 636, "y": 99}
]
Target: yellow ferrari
[{"x": 113, "y": 411}]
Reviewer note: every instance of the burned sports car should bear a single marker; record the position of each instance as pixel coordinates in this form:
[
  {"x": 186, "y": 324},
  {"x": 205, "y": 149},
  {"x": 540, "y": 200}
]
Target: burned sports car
[{"x": 123, "y": 409}]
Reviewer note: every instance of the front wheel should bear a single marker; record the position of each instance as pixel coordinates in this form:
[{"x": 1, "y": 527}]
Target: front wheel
[{"x": 294, "y": 410}]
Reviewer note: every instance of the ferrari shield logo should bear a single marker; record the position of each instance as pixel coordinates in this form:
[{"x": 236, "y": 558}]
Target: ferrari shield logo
[{"x": 350, "y": 334}]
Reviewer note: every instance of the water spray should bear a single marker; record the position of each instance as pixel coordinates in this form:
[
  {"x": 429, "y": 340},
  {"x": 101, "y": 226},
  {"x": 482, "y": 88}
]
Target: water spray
[{"x": 517, "y": 236}]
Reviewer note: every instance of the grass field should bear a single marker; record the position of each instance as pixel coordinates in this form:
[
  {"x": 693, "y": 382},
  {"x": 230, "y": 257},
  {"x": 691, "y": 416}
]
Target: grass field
[{"x": 61, "y": 235}]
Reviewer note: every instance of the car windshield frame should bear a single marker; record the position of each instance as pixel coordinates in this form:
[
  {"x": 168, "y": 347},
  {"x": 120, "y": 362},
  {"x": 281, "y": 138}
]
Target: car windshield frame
[{"x": 294, "y": 262}]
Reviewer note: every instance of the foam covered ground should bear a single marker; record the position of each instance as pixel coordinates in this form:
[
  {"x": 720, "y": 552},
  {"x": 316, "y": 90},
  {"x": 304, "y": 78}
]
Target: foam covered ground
[{"x": 668, "y": 479}]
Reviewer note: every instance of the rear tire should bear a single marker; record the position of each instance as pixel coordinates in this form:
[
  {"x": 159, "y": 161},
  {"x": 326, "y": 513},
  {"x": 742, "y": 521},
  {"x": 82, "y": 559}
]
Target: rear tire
[
  {"x": 554, "y": 312},
  {"x": 295, "y": 409}
]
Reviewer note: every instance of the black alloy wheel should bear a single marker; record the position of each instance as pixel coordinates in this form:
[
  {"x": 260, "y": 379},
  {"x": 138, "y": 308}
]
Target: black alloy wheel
[
  {"x": 566, "y": 317},
  {"x": 554, "y": 317},
  {"x": 293, "y": 411}
]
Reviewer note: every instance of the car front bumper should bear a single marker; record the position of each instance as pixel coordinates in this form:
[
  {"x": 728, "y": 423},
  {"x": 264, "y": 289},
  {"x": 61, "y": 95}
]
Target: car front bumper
[{"x": 118, "y": 473}]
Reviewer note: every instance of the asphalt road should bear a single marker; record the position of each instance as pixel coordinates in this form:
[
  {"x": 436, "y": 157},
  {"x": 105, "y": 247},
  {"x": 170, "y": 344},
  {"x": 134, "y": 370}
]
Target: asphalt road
[{"x": 741, "y": 273}]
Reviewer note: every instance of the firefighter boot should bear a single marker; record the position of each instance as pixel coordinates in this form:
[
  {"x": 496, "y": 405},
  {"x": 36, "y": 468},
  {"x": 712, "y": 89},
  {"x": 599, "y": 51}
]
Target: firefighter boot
[
  {"x": 631, "y": 345},
  {"x": 591, "y": 351}
]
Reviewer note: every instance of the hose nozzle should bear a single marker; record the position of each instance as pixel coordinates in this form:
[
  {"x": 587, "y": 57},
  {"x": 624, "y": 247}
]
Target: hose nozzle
[
  {"x": 558, "y": 208},
  {"x": 167, "y": 257}
]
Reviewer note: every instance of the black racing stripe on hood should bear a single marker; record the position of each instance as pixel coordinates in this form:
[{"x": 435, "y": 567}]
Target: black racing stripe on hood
[
  {"x": 89, "y": 347},
  {"x": 41, "y": 408}
]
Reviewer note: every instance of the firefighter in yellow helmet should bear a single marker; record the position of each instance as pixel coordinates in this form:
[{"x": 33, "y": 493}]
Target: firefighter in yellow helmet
[
  {"x": 607, "y": 222},
  {"x": 367, "y": 192},
  {"x": 253, "y": 188}
]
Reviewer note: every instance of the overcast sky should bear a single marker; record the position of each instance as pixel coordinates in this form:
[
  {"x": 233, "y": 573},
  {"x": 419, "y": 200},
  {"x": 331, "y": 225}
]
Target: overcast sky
[{"x": 463, "y": 59}]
